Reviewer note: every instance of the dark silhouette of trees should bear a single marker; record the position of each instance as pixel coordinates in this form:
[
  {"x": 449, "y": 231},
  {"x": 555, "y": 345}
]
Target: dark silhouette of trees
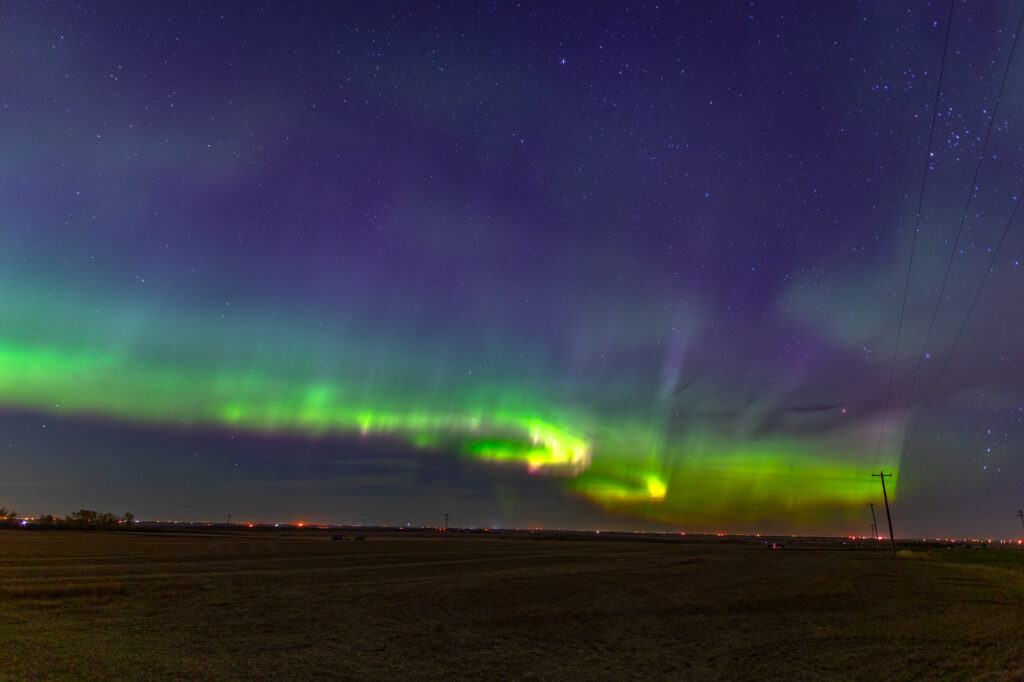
[
  {"x": 8, "y": 517},
  {"x": 90, "y": 518},
  {"x": 83, "y": 518}
]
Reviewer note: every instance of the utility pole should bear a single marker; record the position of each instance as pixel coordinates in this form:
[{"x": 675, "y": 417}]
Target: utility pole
[
  {"x": 229, "y": 519},
  {"x": 446, "y": 524},
  {"x": 881, "y": 476},
  {"x": 1020, "y": 513},
  {"x": 874, "y": 522}
]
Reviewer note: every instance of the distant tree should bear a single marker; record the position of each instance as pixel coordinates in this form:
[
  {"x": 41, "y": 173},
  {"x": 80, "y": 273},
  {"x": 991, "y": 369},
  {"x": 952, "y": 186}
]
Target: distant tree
[
  {"x": 46, "y": 520},
  {"x": 108, "y": 520},
  {"x": 3, "y": 513},
  {"x": 128, "y": 518},
  {"x": 85, "y": 517}
]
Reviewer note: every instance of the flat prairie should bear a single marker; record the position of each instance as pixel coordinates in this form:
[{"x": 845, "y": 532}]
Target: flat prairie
[{"x": 248, "y": 605}]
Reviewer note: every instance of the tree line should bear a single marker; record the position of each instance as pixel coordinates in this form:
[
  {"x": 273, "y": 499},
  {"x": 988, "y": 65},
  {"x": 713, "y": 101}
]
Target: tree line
[{"x": 83, "y": 518}]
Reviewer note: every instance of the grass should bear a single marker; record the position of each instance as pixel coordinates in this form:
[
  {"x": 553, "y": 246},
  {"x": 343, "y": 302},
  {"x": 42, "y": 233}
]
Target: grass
[{"x": 77, "y": 605}]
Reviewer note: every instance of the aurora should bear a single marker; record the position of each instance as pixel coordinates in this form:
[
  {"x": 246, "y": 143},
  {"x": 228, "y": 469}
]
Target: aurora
[{"x": 598, "y": 462}]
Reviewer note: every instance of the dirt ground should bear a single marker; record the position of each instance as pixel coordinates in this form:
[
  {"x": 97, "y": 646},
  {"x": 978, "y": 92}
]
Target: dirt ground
[{"x": 118, "y": 605}]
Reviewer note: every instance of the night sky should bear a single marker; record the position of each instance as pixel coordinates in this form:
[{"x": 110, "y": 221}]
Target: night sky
[{"x": 580, "y": 265}]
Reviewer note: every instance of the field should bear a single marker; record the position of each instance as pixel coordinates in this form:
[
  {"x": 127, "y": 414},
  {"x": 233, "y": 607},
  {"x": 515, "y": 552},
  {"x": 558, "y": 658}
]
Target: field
[{"x": 237, "y": 605}]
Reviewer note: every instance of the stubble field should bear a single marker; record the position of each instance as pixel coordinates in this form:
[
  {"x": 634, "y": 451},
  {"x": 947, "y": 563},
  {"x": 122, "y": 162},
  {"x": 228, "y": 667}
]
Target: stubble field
[{"x": 99, "y": 605}]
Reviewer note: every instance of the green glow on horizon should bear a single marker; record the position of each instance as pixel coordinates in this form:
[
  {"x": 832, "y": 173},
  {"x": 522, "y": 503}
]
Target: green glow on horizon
[
  {"x": 623, "y": 467},
  {"x": 755, "y": 481}
]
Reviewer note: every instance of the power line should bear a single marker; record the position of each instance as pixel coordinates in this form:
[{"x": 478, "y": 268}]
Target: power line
[
  {"x": 917, "y": 222},
  {"x": 966, "y": 510},
  {"x": 967, "y": 317},
  {"x": 963, "y": 220}
]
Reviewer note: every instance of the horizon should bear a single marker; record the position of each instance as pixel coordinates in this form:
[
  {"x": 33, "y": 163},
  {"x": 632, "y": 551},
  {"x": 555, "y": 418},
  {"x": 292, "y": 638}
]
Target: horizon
[
  {"x": 252, "y": 524},
  {"x": 322, "y": 524}
]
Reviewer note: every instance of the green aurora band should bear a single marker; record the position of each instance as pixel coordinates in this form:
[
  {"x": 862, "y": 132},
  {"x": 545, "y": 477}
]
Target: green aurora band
[{"x": 698, "y": 479}]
